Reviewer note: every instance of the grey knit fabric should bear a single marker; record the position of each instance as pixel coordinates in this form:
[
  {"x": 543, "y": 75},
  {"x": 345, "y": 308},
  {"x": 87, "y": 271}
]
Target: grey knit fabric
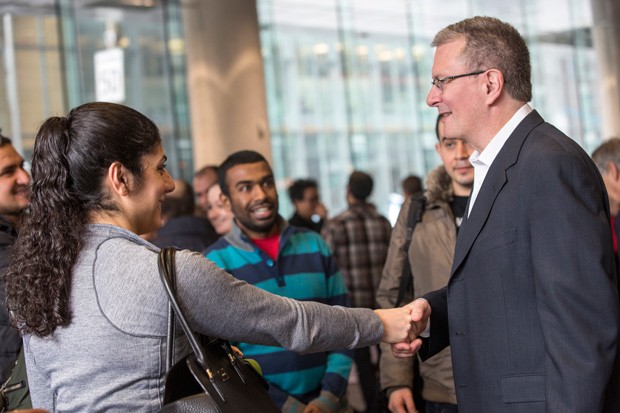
[{"x": 111, "y": 357}]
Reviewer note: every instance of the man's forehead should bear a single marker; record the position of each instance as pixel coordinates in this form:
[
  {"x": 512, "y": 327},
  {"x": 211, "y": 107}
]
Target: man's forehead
[
  {"x": 448, "y": 58},
  {"x": 8, "y": 154},
  {"x": 250, "y": 171}
]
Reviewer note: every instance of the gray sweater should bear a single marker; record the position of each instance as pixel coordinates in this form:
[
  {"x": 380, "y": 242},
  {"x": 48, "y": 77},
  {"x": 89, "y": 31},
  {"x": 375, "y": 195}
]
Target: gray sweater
[{"x": 111, "y": 358}]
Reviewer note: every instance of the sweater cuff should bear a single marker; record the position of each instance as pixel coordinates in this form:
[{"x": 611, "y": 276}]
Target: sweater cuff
[
  {"x": 390, "y": 390},
  {"x": 292, "y": 405},
  {"x": 327, "y": 402},
  {"x": 369, "y": 326}
]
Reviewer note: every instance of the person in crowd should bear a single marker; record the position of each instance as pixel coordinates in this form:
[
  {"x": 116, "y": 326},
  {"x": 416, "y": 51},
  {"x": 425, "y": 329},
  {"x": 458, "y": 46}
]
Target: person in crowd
[
  {"x": 607, "y": 158},
  {"x": 359, "y": 239},
  {"x": 309, "y": 212},
  {"x": 531, "y": 315},
  {"x": 430, "y": 256},
  {"x": 14, "y": 183},
  {"x": 181, "y": 228},
  {"x": 84, "y": 290},
  {"x": 204, "y": 178},
  {"x": 14, "y": 187},
  {"x": 218, "y": 210},
  {"x": 412, "y": 185},
  {"x": 263, "y": 250}
]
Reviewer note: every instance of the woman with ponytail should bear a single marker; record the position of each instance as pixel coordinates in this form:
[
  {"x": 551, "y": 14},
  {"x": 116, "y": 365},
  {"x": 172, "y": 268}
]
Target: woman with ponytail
[{"x": 84, "y": 290}]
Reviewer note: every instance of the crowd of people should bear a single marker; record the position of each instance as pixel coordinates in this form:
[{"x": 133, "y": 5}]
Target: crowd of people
[{"x": 495, "y": 291}]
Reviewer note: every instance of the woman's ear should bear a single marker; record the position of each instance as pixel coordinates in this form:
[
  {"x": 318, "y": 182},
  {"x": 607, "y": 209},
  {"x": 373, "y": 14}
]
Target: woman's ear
[{"x": 117, "y": 178}]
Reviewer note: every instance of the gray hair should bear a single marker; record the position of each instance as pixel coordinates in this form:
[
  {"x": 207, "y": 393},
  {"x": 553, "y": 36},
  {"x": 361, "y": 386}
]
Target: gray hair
[
  {"x": 608, "y": 151},
  {"x": 493, "y": 44}
]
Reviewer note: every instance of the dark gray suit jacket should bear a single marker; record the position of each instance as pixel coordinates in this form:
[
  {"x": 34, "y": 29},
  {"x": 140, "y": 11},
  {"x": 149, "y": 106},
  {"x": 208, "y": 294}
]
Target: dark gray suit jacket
[{"x": 531, "y": 312}]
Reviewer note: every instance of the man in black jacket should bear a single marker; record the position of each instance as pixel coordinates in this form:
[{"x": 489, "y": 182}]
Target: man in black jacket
[
  {"x": 14, "y": 182},
  {"x": 310, "y": 212}
]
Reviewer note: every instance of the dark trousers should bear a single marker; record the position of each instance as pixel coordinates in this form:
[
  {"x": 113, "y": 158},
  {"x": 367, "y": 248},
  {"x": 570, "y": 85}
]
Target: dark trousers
[
  {"x": 368, "y": 379},
  {"x": 433, "y": 407}
]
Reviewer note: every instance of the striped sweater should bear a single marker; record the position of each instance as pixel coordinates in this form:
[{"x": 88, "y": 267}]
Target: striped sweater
[{"x": 304, "y": 270}]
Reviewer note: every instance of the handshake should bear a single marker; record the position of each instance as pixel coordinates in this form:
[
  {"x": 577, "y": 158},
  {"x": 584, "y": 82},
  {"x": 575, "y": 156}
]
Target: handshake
[{"x": 402, "y": 327}]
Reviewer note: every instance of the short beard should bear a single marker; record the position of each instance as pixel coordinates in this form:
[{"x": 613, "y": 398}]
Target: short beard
[{"x": 265, "y": 228}]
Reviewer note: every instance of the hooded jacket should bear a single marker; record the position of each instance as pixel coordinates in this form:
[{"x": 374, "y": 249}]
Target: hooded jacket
[{"x": 430, "y": 254}]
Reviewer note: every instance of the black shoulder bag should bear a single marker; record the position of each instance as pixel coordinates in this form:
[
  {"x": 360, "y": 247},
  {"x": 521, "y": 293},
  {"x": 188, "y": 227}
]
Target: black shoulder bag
[
  {"x": 416, "y": 209},
  {"x": 213, "y": 379}
]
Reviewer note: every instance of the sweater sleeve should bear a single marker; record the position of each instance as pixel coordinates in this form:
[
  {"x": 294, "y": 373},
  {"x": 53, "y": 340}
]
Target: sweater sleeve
[{"x": 220, "y": 305}]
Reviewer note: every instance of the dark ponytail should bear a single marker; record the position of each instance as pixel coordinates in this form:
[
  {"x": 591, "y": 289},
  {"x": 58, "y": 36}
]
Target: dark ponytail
[{"x": 69, "y": 165}]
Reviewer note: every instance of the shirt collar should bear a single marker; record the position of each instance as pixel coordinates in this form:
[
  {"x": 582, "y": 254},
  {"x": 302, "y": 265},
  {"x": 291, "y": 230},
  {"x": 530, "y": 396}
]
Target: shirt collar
[{"x": 488, "y": 155}]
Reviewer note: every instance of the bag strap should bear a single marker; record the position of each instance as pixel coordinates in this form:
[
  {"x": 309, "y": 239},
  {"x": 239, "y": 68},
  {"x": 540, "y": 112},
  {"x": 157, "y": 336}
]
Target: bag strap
[
  {"x": 418, "y": 202},
  {"x": 171, "y": 322},
  {"x": 167, "y": 272}
]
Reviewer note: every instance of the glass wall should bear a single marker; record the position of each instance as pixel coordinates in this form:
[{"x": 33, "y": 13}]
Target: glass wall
[
  {"x": 346, "y": 79},
  {"x": 31, "y": 84},
  {"x": 56, "y": 55},
  {"x": 347, "y": 82}
]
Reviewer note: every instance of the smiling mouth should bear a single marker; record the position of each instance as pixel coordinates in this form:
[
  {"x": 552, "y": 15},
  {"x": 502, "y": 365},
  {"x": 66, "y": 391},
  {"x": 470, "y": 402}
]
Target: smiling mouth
[{"x": 262, "y": 212}]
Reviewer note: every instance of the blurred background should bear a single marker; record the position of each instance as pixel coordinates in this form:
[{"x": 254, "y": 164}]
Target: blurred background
[{"x": 321, "y": 87}]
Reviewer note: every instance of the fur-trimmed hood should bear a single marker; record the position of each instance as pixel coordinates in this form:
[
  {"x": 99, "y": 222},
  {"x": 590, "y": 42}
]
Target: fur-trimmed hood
[{"x": 438, "y": 186}]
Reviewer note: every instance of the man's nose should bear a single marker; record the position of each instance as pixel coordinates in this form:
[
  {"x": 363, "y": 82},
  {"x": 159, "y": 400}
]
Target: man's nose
[
  {"x": 463, "y": 150},
  {"x": 23, "y": 178},
  {"x": 433, "y": 97}
]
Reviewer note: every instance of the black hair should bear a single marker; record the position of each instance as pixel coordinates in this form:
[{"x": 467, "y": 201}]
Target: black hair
[
  {"x": 298, "y": 187},
  {"x": 237, "y": 158},
  {"x": 4, "y": 140},
  {"x": 360, "y": 185},
  {"x": 71, "y": 158},
  {"x": 412, "y": 184}
]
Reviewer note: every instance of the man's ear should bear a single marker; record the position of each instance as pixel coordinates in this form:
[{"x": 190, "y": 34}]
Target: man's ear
[
  {"x": 612, "y": 171},
  {"x": 494, "y": 81},
  {"x": 117, "y": 178}
]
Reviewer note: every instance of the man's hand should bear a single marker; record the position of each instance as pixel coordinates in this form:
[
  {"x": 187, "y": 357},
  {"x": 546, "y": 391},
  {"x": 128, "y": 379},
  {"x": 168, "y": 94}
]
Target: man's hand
[
  {"x": 397, "y": 324},
  {"x": 420, "y": 311},
  {"x": 321, "y": 210},
  {"x": 401, "y": 401},
  {"x": 312, "y": 408}
]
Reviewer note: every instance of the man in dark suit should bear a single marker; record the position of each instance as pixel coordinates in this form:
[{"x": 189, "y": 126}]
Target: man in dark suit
[{"x": 530, "y": 312}]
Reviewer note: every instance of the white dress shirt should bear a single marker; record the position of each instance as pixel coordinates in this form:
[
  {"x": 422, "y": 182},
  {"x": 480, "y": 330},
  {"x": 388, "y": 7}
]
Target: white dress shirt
[{"x": 481, "y": 161}]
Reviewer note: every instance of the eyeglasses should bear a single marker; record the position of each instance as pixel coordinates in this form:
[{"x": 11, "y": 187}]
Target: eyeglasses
[{"x": 441, "y": 81}]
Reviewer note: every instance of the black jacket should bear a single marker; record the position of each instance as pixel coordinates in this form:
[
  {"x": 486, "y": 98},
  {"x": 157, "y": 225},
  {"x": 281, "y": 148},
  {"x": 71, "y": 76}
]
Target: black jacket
[
  {"x": 186, "y": 233},
  {"x": 10, "y": 341}
]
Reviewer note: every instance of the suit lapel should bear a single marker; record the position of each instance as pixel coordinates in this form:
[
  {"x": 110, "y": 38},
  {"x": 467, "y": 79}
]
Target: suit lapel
[{"x": 491, "y": 187}]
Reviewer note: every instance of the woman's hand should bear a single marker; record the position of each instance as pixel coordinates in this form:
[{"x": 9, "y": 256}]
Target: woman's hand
[{"x": 402, "y": 326}]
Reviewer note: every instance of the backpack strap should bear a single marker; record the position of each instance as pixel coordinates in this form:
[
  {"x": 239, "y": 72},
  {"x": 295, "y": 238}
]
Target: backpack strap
[{"x": 416, "y": 209}]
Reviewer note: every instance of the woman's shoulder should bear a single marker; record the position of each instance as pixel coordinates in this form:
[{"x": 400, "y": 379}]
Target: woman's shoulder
[{"x": 100, "y": 234}]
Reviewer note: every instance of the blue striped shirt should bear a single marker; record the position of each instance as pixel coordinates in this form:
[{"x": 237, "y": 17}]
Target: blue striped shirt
[{"x": 304, "y": 270}]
